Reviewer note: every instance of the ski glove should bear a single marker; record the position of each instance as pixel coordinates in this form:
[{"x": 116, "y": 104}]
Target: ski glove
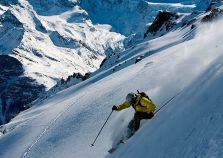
[{"x": 114, "y": 108}]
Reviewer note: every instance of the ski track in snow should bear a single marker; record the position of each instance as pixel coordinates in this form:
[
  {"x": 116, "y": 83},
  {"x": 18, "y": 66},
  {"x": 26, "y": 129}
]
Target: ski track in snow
[{"x": 48, "y": 128}]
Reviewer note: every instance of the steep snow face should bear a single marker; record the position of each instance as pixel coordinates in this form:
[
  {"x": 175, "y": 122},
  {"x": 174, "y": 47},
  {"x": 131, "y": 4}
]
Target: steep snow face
[
  {"x": 190, "y": 126},
  {"x": 133, "y": 16},
  {"x": 66, "y": 124}
]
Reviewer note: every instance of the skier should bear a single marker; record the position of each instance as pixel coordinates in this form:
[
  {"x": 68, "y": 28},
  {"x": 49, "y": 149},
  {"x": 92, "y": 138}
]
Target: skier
[{"x": 144, "y": 109}]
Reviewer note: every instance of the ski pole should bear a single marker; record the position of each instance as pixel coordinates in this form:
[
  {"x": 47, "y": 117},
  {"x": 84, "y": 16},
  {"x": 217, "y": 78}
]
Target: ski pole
[
  {"x": 168, "y": 101},
  {"x": 101, "y": 128}
]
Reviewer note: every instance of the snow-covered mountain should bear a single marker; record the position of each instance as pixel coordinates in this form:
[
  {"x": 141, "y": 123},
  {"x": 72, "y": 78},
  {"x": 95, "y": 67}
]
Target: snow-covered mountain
[
  {"x": 186, "y": 58},
  {"x": 54, "y": 34},
  {"x": 132, "y": 16},
  {"x": 42, "y": 42}
]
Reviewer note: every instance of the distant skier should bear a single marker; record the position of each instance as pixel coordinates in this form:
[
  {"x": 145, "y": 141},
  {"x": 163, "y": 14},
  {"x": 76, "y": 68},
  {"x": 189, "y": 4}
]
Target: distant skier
[{"x": 144, "y": 109}]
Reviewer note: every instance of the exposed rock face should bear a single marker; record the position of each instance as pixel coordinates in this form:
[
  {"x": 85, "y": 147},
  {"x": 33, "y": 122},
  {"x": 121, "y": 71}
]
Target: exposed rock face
[
  {"x": 163, "y": 19},
  {"x": 213, "y": 4},
  {"x": 11, "y": 32},
  {"x": 61, "y": 41},
  {"x": 212, "y": 15},
  {"x": 16, "y": 90}
]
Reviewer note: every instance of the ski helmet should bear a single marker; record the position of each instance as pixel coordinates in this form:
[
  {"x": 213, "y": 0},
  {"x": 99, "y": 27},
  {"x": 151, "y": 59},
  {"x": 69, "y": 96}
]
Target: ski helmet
[{"x": 130, "y": 97}]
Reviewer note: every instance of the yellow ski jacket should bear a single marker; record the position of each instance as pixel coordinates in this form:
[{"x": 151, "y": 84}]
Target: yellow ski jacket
[{"x": 141, "y": 104}]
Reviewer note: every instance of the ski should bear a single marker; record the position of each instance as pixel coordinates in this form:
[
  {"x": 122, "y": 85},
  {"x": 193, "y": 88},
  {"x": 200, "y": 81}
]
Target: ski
[{"x": 113, "y": 149}]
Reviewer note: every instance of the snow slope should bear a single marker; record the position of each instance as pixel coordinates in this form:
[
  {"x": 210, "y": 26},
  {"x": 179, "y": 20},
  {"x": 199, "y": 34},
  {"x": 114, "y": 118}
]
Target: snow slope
[{"x": 190, "y": 126}]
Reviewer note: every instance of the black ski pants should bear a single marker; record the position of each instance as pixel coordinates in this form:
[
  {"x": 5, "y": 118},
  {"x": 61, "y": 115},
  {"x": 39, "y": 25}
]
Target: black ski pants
[{"x": 134, "y": 124}]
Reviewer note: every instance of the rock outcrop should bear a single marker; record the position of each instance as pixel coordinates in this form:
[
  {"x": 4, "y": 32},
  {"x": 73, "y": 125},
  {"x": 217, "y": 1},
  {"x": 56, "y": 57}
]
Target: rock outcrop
[
  {"x": 16, "y": 90},
  {"x": 212, "y": 15},
  {"x": 164, "y": 21}
]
